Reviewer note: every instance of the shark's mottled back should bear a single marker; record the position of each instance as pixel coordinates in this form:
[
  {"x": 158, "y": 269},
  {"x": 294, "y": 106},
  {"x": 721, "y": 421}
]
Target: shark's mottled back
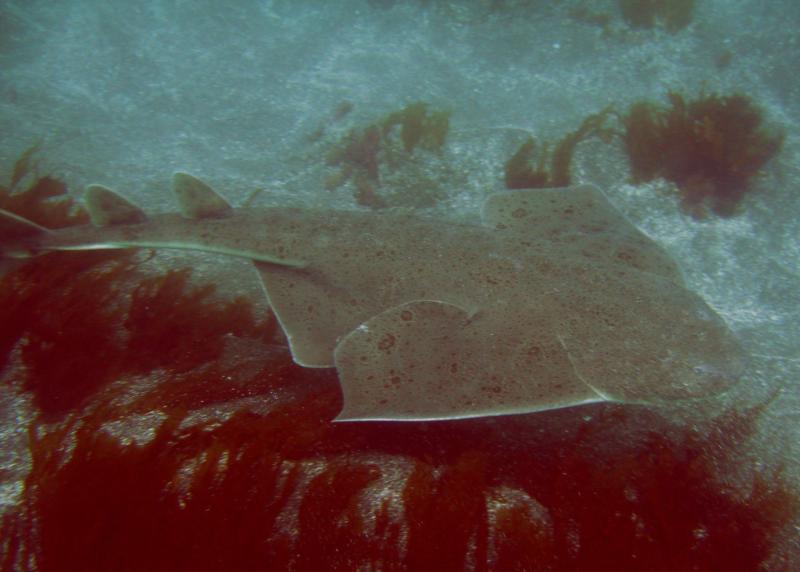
[{"x": 554, "y": 301}]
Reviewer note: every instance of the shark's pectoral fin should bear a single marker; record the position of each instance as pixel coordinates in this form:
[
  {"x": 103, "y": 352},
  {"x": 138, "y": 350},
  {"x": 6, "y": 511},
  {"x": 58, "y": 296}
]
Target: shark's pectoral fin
[
  {"x": 396, "y": 364},
  {"x": 431, "y": 360}
]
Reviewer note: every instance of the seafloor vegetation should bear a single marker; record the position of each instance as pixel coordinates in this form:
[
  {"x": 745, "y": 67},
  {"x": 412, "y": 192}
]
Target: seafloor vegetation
[
  {"x": 624, "y": 490},
  {"x": 670, "y": 15},
  {"x": 29, "y": 194},
  {"x": 673, "y": 15},
  {"x": 711, "y": 147},
  {"x": 532, "y": 167},
  {"x": 362, "y": 153}
]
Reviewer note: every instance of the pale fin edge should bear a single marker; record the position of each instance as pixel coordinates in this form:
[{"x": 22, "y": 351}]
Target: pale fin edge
[
  {"x": 255, "y": 257},
  {"x": 196, "y": 199}
]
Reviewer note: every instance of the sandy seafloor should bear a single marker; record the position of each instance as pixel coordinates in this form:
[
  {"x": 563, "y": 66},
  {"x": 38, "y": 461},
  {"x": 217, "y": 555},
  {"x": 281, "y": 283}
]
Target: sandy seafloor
[{"x": 125, "y": 93}]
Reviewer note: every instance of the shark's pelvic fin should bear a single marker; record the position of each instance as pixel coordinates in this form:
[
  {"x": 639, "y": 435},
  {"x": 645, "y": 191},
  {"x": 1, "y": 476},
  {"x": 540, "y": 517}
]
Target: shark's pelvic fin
[
  {"x": 197, "y": 199},
  {"x": 107, "y": 207}
]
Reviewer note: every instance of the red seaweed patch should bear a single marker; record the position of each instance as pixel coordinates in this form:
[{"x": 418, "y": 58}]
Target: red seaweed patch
[
  {"x": 386, "y": 146},
  {"x": 238, "y": 493},
  {"x": 528, "y": 168},
  {"x": 44, "y": 201},
  {"x": 710, "y": 147},
  {"x": 180, "y": 327},
  {"x": 64, "y": 309}
]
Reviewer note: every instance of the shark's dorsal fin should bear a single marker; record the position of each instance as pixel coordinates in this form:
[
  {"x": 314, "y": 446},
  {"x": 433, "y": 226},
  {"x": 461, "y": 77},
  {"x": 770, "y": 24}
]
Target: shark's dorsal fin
[
  {"x": 197, "y": 199},
  {"x": 107, "y": 207}
]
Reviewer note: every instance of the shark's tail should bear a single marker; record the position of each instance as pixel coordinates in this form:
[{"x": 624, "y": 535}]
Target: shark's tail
[
  {"x": 22, "y": 238},
  {"x": 19, "y": 236}
]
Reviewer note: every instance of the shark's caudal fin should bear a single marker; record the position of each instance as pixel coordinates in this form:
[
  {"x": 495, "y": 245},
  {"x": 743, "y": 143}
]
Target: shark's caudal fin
[
  {"x": 17, "y": 234},
  {"x": 22, "y": 238}
]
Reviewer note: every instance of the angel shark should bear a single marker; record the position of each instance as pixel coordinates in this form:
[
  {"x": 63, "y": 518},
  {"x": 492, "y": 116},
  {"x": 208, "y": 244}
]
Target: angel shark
[{"x": 554, "y": 301}]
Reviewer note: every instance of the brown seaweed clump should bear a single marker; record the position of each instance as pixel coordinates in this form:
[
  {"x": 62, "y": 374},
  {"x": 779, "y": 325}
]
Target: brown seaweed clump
[
  {"x": 45, "y": 200},
  {"x": 419, "y": 127},
  {"x": 528, "y": 167},
  {"x": 710, "y": 147},
  {"x": 361, "y": 153},
  {"x": 674, "y": 15}
]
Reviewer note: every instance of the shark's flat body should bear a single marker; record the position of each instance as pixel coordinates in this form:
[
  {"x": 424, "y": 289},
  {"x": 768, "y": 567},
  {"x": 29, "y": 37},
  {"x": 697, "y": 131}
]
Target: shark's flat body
[{"x": 554, "y": 301}]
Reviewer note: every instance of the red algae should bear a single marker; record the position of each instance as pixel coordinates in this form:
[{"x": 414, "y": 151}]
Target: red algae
[
  {"x": 212, "y": 385},
  {"x": 673, "y": 15},
  {"x": 710, "y": 147},
  {"x": 66, "y": 312},
  {"x": 387, "y": 144},
  {"x": 36, "y": 203},
  {"x": 172, "y": 325},
  {"x": 522, "y": 543},
  {"x": 68, "y": 494},
  {"x": 332, "y": 531},
  {"x": 445, "y": 512},
  {"x": 648, "y": 506},
  {"x": 528, "y": 169},
  {"x": 64, "y": 308},
  {"x": 30, "y": 305},
  {"x": 418, "y": 127},
  {"x": 70, "y": 340}
]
